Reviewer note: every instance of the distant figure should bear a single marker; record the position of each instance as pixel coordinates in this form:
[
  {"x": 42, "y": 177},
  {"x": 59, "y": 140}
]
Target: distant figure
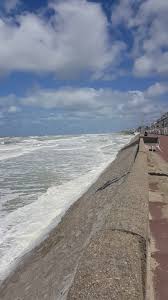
[
  {"x": 145, "y": 133},
  {"x": 153, "y": 148}
]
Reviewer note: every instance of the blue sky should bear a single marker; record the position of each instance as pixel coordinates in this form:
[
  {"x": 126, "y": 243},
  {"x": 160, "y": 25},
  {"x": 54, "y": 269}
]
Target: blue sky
[{"x": 76, "y": 66}]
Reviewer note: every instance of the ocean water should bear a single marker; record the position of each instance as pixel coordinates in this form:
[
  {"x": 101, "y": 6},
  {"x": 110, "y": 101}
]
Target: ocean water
[{"x": 40, "y": 177}]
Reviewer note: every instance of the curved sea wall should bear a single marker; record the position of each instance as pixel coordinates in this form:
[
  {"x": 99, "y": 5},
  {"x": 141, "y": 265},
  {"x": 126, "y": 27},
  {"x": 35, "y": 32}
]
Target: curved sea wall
[
  {"x": 98, "y": 250},
  {"x": 113, "y": 265}
]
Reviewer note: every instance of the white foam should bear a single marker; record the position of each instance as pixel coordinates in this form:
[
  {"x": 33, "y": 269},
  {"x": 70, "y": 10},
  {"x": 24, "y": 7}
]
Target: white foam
[
  {"x": 26, "y": 146},
  {"x": 21, "y": 229}
]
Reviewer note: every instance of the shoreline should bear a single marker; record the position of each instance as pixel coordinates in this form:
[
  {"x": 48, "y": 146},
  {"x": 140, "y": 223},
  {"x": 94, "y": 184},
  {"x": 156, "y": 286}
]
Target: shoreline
[
  {"x": 86, "y": 217},
  {"x": 84, "y": 183},
  {"x": 54, "y": 223}
]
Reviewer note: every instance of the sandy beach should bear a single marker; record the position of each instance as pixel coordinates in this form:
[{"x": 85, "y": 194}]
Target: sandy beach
[{"x": 98, "y": 250}]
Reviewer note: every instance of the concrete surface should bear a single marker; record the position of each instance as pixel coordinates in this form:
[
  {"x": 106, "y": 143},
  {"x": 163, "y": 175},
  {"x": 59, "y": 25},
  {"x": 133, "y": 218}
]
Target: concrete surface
[
  {"x": 158, "y": 223},
  {"x": 98, "y": 251}
]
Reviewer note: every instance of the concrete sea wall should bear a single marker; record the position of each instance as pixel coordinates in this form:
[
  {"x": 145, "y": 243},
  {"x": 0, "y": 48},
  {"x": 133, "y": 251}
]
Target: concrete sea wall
[
  {"x": 98, "y": 251},
  {"x": 113, "y": 265}
]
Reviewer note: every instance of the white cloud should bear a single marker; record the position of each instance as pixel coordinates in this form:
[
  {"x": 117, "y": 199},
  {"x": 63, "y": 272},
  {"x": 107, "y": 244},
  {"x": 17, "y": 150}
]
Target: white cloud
[
  {"x": 122, "y": 13},
  {"x": 7, "y": 101},
  {"x": 10, "y": 5},
  {"x": 79, "y": 98},
  {"x": 73, "y": 41},
  {"x": 157, "y": 89},
  {"x": 87, "y": 102},
  {"x": 148, "y": 23},
  {"x": 13, "y": 109},
  {"x": 153, "y": 56}
]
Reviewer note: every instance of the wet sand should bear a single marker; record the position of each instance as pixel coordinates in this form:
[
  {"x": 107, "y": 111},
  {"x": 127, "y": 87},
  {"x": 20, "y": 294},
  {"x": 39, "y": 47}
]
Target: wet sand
[{"x": 98, "y": 250}]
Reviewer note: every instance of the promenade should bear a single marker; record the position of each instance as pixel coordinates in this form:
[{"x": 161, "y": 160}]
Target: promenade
[
  {"x": 158, "y": 221},
  {"x": 163, "y": 151}
]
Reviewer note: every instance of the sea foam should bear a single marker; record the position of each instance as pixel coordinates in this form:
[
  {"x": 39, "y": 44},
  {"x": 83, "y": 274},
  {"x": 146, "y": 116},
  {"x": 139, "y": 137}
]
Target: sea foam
[{"x": 63, "y": 169}]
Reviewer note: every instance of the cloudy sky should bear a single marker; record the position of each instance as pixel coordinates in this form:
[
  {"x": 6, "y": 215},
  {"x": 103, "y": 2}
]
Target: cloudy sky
[{"x": 74, "y": 66}]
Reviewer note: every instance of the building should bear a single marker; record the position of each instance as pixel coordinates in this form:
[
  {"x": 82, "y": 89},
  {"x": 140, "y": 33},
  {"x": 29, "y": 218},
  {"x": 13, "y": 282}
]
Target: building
[{"x": 160, "y": 126}]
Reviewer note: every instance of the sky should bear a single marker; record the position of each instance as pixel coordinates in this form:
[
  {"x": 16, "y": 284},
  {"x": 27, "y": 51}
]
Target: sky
[{"x": 78, "y": 66}]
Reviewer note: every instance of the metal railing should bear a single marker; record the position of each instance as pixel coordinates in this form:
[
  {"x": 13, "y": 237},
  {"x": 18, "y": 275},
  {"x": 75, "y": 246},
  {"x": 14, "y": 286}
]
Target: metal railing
[{"x": 162, "y": 131}]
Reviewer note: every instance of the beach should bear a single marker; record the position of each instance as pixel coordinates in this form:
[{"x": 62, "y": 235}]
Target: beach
[
  {"x": 106, "y": 229},
  {"x": 41, "y": 177},
  {"x": 83, "y": 150}
]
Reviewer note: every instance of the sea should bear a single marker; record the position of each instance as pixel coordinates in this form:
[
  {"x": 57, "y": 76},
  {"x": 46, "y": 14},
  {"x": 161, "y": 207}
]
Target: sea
[{"x": 40, "y": 178}]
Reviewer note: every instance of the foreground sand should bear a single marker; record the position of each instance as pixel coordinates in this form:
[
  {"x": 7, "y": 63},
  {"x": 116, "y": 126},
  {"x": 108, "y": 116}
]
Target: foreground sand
[{"x": 98, "y": 251}]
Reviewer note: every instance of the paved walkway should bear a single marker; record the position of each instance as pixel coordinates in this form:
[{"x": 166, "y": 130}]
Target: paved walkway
[
  {"x": 163, "y": 147},
  {"x": 158, "y": 221}
]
